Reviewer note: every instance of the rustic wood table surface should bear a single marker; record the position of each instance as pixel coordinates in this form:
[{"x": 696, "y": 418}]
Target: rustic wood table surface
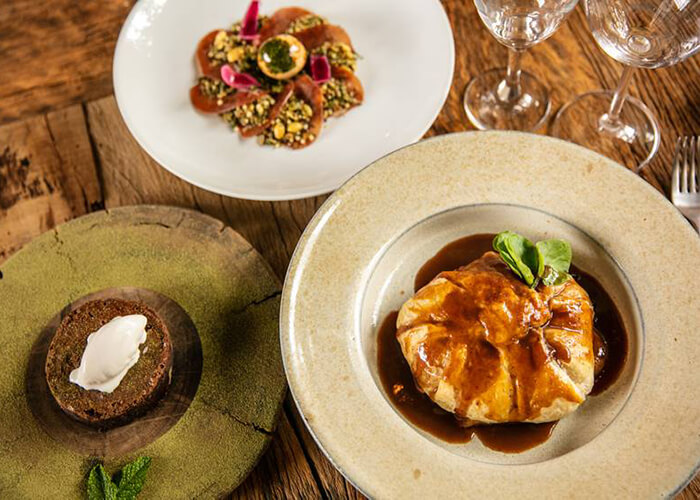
[{"x": 65, "y": 151}]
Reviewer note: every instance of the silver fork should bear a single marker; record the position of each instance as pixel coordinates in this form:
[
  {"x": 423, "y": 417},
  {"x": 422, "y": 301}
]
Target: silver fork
[{"x": 685, "y": 184}]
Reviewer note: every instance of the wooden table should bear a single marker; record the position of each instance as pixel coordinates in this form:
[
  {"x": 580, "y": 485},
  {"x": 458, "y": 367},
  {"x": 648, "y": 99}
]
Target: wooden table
[{"x": 65, "y": 151}]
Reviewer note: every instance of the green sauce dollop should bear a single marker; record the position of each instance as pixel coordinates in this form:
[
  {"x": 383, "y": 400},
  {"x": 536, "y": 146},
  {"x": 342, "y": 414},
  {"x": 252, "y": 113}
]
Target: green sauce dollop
[{"x": 275, "y": 53}]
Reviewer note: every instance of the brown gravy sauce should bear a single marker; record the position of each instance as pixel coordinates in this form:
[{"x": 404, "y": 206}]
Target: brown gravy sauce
[{"x": 610, "y": 346}]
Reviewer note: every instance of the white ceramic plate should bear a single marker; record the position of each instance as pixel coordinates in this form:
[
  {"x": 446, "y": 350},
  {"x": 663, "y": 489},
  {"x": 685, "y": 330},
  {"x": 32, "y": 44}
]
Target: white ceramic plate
[
  {"x": 356, "y": 262},
  {"x": 406, "y": 70}
]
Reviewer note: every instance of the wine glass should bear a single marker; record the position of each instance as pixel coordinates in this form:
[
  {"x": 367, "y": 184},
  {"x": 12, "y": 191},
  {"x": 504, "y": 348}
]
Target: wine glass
[
  {"x": 639, "y": 34},
  {"x": 509, "y": 98}
]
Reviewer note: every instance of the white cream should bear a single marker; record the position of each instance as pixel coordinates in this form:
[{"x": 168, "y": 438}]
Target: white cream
[{"x": 110, "y": 352}]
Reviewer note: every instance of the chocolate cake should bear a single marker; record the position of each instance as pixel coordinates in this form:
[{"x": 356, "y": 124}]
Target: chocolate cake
[{"x": 142, "y": 386}]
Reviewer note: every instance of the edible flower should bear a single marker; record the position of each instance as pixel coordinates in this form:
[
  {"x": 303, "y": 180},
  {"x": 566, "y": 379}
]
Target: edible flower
[
  {"x": 238, "y": 81},
  {"x": 249, "y": 26},
  {"x": 320, "y": 69}
]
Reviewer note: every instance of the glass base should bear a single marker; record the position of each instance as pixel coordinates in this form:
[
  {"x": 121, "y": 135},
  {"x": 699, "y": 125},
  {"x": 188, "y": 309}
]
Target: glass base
[
  {"x": 489, "y": 107},
  {"x": 631, "y": 140}
]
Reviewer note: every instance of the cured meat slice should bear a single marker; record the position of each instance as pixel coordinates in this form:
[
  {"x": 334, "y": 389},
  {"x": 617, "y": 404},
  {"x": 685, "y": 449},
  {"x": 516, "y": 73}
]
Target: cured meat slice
[
  {"x": 306, "y": 89},
  {"x": 353, "y": 86},
  {"x": 300, "y": 117},
  {"x": 278, "y": 22},
  {"x": 280, "y": 101},
  {"x": 213, "y": 105},
  {"x": 318, "y": 35},
  {"x": 205, "y": 65},
  {"x": 351, "y": 81}
]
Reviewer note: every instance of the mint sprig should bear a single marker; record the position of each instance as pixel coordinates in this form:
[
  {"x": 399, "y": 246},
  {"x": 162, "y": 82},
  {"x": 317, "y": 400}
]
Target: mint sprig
[
  {"x": 100, "y": 486},
  {"x": 547, "y": 260}
]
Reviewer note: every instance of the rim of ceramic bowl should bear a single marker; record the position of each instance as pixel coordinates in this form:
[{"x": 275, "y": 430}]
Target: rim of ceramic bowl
[{"x": 301, "y": 395}]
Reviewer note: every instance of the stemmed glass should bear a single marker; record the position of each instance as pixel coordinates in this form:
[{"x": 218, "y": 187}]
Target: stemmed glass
[
  {"x": 509, "y": 98},
  {"x": 639, "y": 34}
]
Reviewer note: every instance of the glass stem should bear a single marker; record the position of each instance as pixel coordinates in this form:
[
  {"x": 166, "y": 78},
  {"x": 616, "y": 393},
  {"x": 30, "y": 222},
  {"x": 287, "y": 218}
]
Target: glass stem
[
  {"x": 611, "y": 120},
  {"x": 509, "y": 89}
]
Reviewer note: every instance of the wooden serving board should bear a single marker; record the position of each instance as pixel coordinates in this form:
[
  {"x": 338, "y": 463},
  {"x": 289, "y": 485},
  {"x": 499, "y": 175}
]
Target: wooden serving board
[
  {"x": 114, "y": 442},
  {"x": 220, "y": 282}
]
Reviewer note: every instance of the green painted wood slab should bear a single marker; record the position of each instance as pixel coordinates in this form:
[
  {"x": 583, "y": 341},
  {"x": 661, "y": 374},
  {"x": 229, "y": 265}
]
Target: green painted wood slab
[{"x": 227, "y": 290}]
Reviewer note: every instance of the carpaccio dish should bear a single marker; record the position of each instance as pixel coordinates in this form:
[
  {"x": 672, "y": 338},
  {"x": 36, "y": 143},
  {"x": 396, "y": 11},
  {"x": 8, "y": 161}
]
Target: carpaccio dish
[{"x": 278, "y": 77}]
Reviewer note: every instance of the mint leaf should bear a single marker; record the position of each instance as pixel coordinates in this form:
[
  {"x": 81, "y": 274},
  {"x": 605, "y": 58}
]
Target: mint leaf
[
  {"x": 100, "y": 485},
  {"x": 94, "y": 487},
  {"x": 132, "y": 478}
]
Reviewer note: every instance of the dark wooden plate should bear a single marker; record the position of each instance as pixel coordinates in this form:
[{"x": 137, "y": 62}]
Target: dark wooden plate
[
  {"x": 143, "y": 430},
  {"x": 204, "y": 438}
]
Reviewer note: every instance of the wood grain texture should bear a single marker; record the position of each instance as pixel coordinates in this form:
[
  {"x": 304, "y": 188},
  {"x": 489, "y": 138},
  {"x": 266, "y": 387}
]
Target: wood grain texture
[
  {"x": 47, "y": 175},
  {"x": 283, "y": 473},
  {"x": 117, "y": 172},
  {"x": 56, "y": 53},
  {"x": 131, "y": 177}
]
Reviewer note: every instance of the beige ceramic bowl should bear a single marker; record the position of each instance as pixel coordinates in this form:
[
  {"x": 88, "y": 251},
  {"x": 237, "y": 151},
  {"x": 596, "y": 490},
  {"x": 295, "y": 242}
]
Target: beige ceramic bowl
[{"x": 356, "y": 262}]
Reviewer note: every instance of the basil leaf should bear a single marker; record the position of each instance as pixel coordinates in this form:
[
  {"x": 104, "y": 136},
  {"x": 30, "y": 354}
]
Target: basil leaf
[
  {"x": 520, "y": 254},
  {"x": 540, "y": 263},
  {"x": 553, "y": 277},
  {"x": 525, "y": 256},
  {"x": 548, "y": 260},
  {"x": 499, "y": 244},
  {"x": 100, "y": 485},
  {"x": 555, "y": 254},
  {"x": 499, "y": 241},
  {"x": 132, "y": 478},
  {"x": 511, "y": 263},
  {"x": 562, "y": 278}
]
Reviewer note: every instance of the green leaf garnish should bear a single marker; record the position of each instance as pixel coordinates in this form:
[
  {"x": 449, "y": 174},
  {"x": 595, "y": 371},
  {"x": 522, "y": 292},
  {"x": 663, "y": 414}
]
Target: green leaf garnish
[
  {"x": 132, "y": 478},
  {"x": 556, "y": 257},
  {"x": 556, "y": 254},
  {"x": 100, "y": 485},
  {"x": 520, "y": 254},
  {"x": 548, "y": 260}
]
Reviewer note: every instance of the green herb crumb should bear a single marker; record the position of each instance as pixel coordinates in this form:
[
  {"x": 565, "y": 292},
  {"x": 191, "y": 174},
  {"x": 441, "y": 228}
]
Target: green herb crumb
[
  {"x": 336, "y": 98},
  {"x": 250, "y": 115},
  {"x": 305, "y": 22},
  {"x": 291, "y": 126},
  {"x": 338, "y": 54}
]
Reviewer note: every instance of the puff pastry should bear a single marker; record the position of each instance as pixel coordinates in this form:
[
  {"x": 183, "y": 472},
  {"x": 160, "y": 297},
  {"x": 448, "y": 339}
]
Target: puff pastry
[{"x": 485, "y": 346}]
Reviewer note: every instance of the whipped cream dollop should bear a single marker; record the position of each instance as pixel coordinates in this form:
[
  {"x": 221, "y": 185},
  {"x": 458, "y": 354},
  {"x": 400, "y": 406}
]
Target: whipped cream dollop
[{"x": 110, "y": 352}]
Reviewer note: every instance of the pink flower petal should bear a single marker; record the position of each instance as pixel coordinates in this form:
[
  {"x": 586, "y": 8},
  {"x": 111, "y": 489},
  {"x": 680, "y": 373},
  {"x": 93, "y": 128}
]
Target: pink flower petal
[
  {"x": 320, "y": 69},
  {"x": 238, "y": 81},
  {"x": 249, "y": 26},
  {"x": 227, "y": 74}
]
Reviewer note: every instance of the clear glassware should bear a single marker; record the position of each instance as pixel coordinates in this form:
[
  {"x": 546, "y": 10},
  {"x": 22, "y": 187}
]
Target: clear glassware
[
  {"x": 509, "y": 98},
  {"x": 639, "y": 34}
]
